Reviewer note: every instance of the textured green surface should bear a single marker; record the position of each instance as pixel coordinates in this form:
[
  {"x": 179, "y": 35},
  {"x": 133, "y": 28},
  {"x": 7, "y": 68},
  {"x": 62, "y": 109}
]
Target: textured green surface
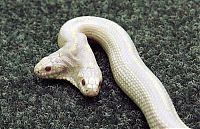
[{"x": 166, "y": 34}]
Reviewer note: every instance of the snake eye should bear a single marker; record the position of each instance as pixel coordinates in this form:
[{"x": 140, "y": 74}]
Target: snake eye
[
  {"x": 100, "y": 83},
  {"x": 83, "y": 82},
  {"x": 48, "y": 68}
]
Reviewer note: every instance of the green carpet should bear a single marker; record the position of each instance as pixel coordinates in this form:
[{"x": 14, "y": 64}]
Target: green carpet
[{"x": 166, "y": 34}]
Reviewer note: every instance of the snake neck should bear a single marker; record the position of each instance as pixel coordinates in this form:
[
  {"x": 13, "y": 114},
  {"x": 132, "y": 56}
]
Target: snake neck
[{"x": 129, "y": 71}]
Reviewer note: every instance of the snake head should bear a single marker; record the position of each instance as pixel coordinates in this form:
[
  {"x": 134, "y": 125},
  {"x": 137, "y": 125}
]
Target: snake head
[
  {"x": 51, "y": 67},
  {"x": 90, "y": 81}
]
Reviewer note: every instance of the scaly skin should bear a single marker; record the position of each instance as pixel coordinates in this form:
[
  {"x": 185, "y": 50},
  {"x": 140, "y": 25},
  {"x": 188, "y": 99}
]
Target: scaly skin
[{"x": 75, "y": 62}]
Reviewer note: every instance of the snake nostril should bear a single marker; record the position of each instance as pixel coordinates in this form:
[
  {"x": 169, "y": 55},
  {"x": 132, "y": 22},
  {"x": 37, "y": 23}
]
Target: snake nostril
[{"x": 83, "y": 82}]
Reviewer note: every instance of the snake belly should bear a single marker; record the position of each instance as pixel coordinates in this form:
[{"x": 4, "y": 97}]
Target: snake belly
[{"x": 128, "y": 69}]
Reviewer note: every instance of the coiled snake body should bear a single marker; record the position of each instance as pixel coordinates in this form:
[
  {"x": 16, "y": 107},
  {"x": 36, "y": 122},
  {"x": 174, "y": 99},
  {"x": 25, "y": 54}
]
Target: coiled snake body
[{"x": 75, "y": 62}]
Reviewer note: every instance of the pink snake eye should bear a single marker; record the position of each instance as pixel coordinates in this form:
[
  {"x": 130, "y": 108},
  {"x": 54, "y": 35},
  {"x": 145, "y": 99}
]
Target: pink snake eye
[
  {"x": 48, "y": 68},
  {"x": 83, "y": 82},
  {"x": 100, "y": 83}
]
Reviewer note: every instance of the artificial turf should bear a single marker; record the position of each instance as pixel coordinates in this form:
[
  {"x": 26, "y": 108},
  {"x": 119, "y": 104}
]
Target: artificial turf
[{"x": 166, "y": 34}]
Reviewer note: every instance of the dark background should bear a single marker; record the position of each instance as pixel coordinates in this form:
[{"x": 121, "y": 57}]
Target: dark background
[{"x": 166, "y": 34}]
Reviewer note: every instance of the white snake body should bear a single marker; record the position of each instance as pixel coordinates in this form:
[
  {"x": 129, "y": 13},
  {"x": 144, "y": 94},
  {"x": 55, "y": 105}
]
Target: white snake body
[{"x": 129, "y": 71}]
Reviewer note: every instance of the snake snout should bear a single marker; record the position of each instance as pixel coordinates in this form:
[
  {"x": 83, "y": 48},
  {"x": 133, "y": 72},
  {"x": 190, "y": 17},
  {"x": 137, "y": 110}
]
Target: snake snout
[
  {"x": 91, "y": 92},
  {"x": 37, "y": 69}
]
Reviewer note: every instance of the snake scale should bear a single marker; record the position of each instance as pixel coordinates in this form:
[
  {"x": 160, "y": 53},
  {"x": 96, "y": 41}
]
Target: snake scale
[{"x": 75, "y": 62}]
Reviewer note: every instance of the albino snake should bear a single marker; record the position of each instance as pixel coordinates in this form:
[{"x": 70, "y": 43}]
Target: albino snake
[{"x": 75, "y": 62}]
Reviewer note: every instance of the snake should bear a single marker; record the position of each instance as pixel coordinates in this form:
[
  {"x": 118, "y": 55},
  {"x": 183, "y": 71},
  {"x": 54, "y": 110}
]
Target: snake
[{"x": 75, "y": 62}]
